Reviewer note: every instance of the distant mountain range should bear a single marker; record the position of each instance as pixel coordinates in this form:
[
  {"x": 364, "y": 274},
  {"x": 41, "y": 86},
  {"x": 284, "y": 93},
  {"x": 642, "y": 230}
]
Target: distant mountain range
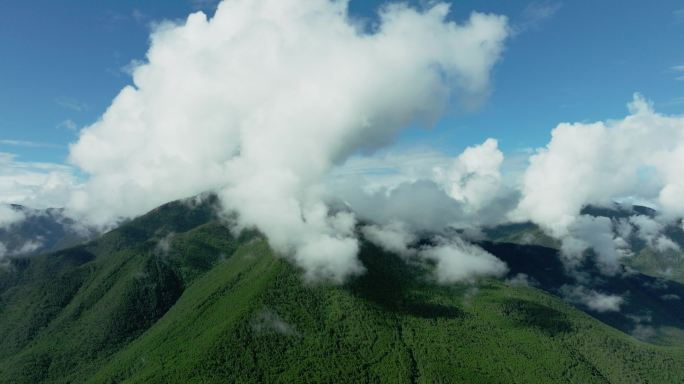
[
  {"x": 176, "y": 296},
  {"x": 40, "y": 231},
  {"x": 665, "y": 264}
]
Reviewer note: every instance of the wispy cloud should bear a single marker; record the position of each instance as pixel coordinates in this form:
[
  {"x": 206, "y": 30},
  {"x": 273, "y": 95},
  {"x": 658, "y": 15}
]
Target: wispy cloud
[
  {"x": 131, "y": 66},
  {"x": 27, "y": 144},
  {"x": 678, "y": 15},
  {"x": 139, "y": 17},
  {"x": 537, "y": 13},
  {"x": 676, "y": 101},
  {"x": 679, "y": 71},
  {"x": 112, "y": 20},
  {"x": 68, "y": 124},
  {"x": 71, "y": 103}
]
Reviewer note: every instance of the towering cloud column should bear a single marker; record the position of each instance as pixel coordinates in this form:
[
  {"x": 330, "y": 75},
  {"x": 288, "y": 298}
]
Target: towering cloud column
[{"x": 260, "y": 101}]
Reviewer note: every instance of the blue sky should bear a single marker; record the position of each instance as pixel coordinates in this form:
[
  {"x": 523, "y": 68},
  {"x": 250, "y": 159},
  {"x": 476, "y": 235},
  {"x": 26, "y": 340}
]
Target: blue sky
[{"x": 62, "y": 62}]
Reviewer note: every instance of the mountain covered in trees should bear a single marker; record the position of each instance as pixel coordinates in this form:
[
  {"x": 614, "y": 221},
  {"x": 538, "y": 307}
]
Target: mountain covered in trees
[{"x": 180, "y": 295}]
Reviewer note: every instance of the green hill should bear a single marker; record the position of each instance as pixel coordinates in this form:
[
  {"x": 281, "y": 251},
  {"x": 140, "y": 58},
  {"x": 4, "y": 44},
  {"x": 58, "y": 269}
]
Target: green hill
[{"x": 176, "y": 297}]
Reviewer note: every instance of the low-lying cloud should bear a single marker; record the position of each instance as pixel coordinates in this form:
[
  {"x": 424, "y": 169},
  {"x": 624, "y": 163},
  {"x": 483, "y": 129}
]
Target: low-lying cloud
[
  {"x": 458, "y": 261},
  {"x": 455, "y": 260},
  {"x": 594, "y": 300},
  {"x": 266, "y": 321},
  {"x": 466, "y": 192},
  {"x": 9, "y": 216}
]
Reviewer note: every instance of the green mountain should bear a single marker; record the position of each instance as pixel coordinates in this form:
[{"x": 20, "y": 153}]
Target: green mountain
[{"x": 175, "y": 296}]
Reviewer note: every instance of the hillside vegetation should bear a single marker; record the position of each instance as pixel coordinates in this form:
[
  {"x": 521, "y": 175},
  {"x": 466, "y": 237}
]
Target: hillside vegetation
[{"x": 176, "y": 297}]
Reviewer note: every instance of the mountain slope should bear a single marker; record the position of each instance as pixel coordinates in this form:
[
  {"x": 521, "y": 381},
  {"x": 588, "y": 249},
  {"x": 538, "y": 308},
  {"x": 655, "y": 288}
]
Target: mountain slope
[
  {"x": 175, "y": 296},
  {"x": 651, "y": 310},
  {"x": 252, "y": 320},
  {"x": 62, "y": 313}
]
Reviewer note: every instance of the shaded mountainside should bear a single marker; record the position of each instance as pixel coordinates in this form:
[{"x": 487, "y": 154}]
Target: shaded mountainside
[
  {"x": 176, "y": 297},
  {"x": 653, "y": 309},
  {"x": 41, "y": 231}
]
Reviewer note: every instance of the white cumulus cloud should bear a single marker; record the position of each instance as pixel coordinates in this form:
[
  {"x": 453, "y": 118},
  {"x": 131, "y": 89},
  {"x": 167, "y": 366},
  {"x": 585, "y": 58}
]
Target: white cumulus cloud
[
  {"x": 639, "y": 157},
  {"x": 475, "y": 176},
  {"x": 262, "y": 100},
  {"x": 596, "y": 163}
]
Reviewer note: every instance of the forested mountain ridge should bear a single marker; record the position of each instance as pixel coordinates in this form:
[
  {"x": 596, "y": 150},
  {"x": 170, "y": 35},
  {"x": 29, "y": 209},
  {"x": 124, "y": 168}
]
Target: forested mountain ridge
[{"x": 177, "y": 296}]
